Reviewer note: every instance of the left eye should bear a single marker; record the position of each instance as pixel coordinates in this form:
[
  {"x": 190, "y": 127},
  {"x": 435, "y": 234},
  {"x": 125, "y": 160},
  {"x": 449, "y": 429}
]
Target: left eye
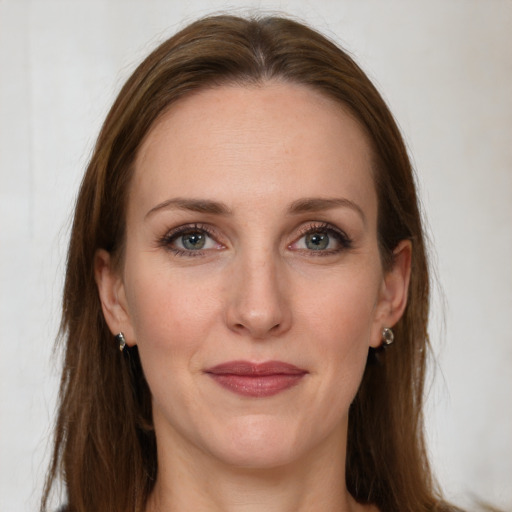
[
  {"x": 193, "y": 241},
  {"x": 322, "y": 240},
  {"x": 317, "y": 241}
]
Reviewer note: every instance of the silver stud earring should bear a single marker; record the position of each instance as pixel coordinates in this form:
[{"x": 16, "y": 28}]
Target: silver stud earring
[
  {"x": 121, "y": 340},
  {"x": 387, "y": 336}
]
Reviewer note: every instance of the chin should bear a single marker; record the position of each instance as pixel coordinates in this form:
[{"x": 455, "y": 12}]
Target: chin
[{"x": 257, "y": 443}]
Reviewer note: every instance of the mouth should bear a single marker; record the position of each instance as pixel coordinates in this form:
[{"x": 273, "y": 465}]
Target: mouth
[{"x": 256, "y": 379}]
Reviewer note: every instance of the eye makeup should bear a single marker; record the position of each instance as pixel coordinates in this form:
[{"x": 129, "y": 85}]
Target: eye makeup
[{"x": 313, "y": 239}]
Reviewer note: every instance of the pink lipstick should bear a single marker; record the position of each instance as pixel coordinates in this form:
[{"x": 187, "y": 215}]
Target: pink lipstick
[{"x": 256, "y": 379}]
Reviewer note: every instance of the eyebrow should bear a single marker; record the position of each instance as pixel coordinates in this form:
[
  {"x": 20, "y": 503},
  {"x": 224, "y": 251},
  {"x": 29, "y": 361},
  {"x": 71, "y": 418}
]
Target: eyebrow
[
  {"x": 306, "y": 205},
  {"x": 315, "y": 204},
  {"x": 193, "y": 205}
]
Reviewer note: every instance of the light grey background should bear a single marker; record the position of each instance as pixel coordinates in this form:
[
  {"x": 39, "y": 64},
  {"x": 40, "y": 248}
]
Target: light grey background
[{"x": 445, "y": 66}]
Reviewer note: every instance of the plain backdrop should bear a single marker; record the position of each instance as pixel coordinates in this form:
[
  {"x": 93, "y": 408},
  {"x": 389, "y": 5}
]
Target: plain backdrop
[{"x": 444, "y": 66}]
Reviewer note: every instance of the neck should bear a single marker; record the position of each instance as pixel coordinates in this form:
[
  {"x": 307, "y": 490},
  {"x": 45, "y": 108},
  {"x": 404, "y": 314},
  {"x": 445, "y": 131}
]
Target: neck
[{"x": 197, "y": 481}]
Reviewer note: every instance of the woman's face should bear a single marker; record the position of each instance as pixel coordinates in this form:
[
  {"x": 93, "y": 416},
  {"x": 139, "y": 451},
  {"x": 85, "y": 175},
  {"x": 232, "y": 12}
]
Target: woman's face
[{"x": 252, "y": 282}]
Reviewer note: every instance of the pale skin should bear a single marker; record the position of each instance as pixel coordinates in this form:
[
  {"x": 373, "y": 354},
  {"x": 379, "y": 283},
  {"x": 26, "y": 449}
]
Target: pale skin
[{"x": 252, "y": 235}]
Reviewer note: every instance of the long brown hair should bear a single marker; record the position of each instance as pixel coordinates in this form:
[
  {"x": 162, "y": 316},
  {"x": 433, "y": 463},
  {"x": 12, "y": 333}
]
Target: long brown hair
[{"x": 105, "y": 447}]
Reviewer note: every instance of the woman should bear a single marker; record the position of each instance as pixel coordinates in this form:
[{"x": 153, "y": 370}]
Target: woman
[{"x": 248, "y": 234}]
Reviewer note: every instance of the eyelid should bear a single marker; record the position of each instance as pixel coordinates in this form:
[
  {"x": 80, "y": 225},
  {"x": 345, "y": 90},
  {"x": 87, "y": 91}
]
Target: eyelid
[
  {"x": 321, "y": 226},
  {"x": 173, "y": 234}
]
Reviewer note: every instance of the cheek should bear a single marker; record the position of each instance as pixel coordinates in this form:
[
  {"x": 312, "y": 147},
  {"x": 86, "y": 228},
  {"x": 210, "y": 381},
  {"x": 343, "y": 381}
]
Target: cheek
[
  {"x": 344, "y": 333},
  {"x": 172, "y": 312},
  {"x": 340, "y": 318},
  {"x": 171, "y": 320},
  {"x": 341, "y": 305},
  {"x": 162, "y": 299}
]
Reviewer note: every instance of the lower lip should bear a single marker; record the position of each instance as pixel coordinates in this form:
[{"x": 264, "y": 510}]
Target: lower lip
[{"x": 257, "y": 385}]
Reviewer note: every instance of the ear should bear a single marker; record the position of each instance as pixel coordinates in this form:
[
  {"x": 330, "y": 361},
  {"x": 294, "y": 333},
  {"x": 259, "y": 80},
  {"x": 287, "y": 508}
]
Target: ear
[
  {"x": 112, "y": 296},
  {"x": 393, "y": 293}
]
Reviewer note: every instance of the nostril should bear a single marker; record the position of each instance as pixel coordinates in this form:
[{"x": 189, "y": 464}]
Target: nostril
[
  {"x": 275, "y": 328},
  {"x": 255, "y": 331}
]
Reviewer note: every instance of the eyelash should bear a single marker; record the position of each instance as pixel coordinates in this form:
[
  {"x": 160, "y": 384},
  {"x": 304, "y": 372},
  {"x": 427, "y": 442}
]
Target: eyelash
[
  {"x": 328, "y": 229},
  {"x": 172, "y": 235}
]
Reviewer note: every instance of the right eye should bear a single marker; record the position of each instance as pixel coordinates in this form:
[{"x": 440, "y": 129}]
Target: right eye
[
  {"x": 193, "y": 241},
  {"x": 189, "y": 241}
]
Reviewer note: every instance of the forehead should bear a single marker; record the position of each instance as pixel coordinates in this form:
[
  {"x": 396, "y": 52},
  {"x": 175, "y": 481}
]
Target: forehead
[{"x": 236, "y": 141}]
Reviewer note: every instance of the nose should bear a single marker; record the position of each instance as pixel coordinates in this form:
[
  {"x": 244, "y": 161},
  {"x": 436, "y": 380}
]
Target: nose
[{"x": 258, "y": 304}]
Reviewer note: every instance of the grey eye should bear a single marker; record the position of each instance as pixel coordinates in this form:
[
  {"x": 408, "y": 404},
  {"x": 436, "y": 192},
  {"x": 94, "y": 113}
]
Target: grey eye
[
  {"x": 317, "y": 241},
  {"x": 193, "y": 241}
]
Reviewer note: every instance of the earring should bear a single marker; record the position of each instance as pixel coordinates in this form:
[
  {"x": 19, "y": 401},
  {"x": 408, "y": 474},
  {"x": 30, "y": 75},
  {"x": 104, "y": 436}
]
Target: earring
[
  {"x": 121, "y": 340},
  {"x": 387, "y": 336}
]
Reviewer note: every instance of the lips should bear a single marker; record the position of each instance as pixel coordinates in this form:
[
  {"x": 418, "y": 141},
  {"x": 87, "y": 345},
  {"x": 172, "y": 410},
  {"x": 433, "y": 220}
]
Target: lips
[{"x": 256, "y": 379}]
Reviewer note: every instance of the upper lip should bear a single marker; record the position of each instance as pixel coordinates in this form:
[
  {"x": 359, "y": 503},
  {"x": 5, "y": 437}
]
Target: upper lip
[{"x": 247, "y": 368}]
